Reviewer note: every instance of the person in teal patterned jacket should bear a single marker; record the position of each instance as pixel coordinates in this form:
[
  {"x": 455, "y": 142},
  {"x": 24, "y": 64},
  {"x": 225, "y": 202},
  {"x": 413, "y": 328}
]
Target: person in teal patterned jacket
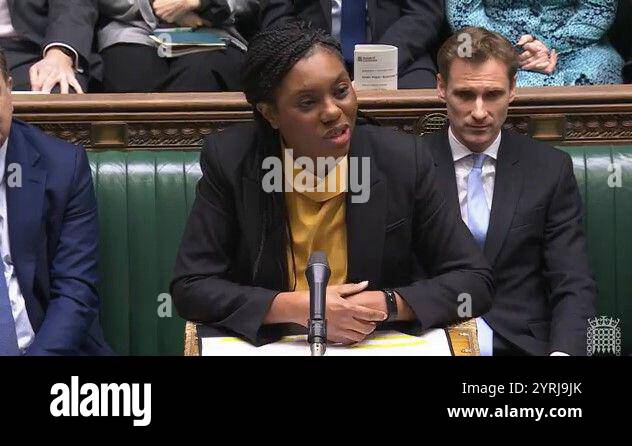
[{"x": 562, "y": 42}]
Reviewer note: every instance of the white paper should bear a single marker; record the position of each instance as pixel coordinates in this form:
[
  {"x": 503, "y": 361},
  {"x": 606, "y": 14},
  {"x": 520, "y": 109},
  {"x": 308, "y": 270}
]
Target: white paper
[
  {"x": 375, "y": 67},
  {"x": 385, "y": 343}
]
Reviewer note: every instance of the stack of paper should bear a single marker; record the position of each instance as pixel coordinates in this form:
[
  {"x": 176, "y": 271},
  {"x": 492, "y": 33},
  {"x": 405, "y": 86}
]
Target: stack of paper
[
  {"x": 174, "y": 42},
  {"x": 385, "y": 343}
]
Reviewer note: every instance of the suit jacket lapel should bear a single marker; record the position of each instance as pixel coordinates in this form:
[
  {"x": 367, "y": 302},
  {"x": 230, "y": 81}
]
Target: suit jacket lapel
[
  {"x": 446, "y": 176},
  {"x": 326, "y": 7},
  {"x": 507, "y": 188},
  {"x": 25, "y": 206},
  {"x": 366, "y": 222}
]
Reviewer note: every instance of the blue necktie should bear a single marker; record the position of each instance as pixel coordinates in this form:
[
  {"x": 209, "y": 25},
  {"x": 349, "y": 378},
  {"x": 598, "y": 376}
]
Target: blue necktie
[
  {"x": 478, "y": 222},
  {"x": 477, "y": 210},
  {"x": 352, "y": 26},
  {"x": 8, "y": 338}
]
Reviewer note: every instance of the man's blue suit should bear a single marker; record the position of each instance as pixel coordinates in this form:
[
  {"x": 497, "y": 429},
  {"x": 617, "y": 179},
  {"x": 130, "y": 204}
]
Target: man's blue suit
[{"x": 54, "y": 235}]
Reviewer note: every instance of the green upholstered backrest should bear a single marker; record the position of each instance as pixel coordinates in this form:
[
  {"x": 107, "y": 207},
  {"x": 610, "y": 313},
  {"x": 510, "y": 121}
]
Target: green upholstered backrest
[
  {"x": 144, "y": 198},
  {"x": 608, "y": 224}
]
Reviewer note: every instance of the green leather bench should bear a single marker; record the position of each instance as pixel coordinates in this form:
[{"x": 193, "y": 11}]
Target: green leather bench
[{"x": 144, "y": 198}]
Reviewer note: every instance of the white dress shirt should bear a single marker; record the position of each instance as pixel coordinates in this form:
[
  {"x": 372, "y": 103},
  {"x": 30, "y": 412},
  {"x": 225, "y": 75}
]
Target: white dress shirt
[
  {"x": 463, "y": 164},
  {"x": 23, "y": 328},
  {"x": 6, "y": 26}
]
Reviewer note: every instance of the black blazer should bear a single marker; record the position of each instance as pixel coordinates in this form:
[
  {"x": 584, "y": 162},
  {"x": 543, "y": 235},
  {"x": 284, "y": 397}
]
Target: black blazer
[
  {"x": 413, "y": 26},
  {"x": 404, "y": 216},
  {"x": 536, "y": 245},
  {"x": 44, "y": 22}
]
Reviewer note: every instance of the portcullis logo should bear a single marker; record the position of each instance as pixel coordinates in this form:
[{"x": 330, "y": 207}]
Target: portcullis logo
[{"x": 604, "y": 337}]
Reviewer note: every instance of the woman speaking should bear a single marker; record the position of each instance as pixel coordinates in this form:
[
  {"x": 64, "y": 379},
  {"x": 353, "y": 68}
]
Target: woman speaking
[{"x": 375, "y": 211}]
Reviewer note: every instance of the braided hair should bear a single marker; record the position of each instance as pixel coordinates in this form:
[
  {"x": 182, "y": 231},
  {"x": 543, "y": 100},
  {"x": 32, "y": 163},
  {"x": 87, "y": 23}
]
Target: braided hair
[{"x": 272, "y": 53}]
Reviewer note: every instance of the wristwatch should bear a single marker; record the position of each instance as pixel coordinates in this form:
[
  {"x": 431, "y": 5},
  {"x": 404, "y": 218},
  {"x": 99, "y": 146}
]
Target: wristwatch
[{"x": 391, "y": 304}]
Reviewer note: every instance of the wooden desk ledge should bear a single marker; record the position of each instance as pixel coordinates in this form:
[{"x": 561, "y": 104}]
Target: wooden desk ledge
[
  {"x": 600, "y": 114},
  {"x": 463, "y": 337}
]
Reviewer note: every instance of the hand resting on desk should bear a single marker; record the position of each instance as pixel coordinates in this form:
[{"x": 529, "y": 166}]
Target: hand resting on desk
[{"x": 352, "y": 313}]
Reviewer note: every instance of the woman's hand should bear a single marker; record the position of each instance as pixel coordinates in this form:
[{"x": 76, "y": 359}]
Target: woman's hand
[
  {"x": 347, "y": 322},
  {"x": 171, "y": 10},
  {"x": 377, "y": 301},
  {"x": 193, "y": 20},
  {"x": 536, "y": 56}
]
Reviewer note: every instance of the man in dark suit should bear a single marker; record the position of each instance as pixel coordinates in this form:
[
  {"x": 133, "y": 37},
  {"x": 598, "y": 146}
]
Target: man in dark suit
[
  {"x": 413, "y": 26},
  {"x": 519, "y": 198},
  {"x": 48, "y": 43},
  {"x": 48, "y": 242}
]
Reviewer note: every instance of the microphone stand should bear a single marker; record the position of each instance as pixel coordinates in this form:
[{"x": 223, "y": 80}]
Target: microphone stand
[{"x": 317, "y": 274}]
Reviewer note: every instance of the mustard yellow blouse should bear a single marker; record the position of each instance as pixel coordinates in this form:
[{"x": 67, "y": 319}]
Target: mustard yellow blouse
[{"x": 316, "y": 209}]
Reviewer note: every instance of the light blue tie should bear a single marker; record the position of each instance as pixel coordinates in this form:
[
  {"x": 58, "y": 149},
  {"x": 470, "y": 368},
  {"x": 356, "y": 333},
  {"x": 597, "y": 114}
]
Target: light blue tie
[
  {"x": 478, "y": 222},
  {"x": 477, "y": 210},
  {"x": 8, "y": 338}
]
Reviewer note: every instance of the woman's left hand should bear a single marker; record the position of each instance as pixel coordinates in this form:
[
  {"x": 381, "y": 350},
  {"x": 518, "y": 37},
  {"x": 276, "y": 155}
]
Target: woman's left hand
[
  {"x": 536, "y": 56},
  {"x": 193, "y": 20},
  {"x": 377, "y": 301},
  {"x": 171, "y": 10}
]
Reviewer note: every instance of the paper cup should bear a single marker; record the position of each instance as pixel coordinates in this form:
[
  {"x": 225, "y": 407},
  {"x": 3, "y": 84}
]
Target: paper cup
[{"x": 375, "y": 67}]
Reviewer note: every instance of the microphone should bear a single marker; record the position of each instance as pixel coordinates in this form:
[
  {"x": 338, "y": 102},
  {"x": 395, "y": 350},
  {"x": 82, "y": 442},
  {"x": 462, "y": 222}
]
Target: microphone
[{"x": 317, "y": 274}]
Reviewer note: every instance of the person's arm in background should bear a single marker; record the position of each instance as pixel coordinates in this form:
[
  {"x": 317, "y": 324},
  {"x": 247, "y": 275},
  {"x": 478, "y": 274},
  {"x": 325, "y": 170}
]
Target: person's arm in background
[
  {"x": 587, "y": 26},
  {"x": 573, "y": 290},
  {"x": 274, "y": 12},
  {"x": 417, "y": 30},
  {"x": 193, "y": 13},
  {"x": 216, "y": 11},
  {"x": 67, "y": 45},
  {"x": 74, "y": 300}
]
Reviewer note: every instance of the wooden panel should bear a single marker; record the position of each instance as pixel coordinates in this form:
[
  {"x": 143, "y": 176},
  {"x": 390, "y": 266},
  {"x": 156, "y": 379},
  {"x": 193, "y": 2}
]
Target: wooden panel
[{"x": 562, "y": 115}]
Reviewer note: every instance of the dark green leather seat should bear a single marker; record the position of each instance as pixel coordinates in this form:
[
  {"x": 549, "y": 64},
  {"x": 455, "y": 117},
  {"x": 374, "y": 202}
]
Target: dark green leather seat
[
  {"x": 144, "y": 198},
  {"x": 609, "y": 228}
]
